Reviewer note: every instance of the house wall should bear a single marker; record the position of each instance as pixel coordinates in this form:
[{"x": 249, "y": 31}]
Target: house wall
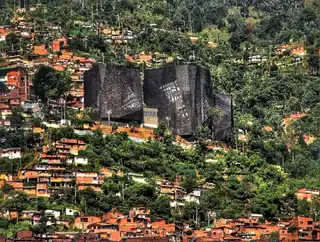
[{"x": 83, "y": 222}]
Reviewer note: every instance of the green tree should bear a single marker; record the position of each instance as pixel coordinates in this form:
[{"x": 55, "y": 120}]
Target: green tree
[
  {"x": 160, "y": 208},
  {"x": 16, "y": 200},
  {"x": 303, "y": 208},
  {"x": 189, "y": 181},
  {"x": 51, "y": 84}
]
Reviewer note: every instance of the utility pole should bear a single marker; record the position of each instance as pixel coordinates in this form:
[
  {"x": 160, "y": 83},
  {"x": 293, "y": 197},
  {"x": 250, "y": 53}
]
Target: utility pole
[
  {"x": 197, "y": 214},
  {"x": 175, "y": 200},
  {"x": 122, "y": 190},
  {"x": 65, "y": 108},
  {"x": 122, "y": 186},
  {"x": 92, "y": 13},
  {"x": 236, "y": 139},
  {"x": 202, "y": 112},
  {"x": 35, "y": 30},
  {"x": 109, "y": 112},
  {"x": 168, "y": 118},
  {"x": 75, "y": 194}
]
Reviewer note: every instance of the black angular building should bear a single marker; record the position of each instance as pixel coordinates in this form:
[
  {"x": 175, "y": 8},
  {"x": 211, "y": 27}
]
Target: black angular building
[
  {"x": 223, "y": 123},
  {"x": 185, "y": 100},
  {"x": 182, "y": 95},
  {"x": 115, "y": 91},
  {"x": 24, "y": 3}
]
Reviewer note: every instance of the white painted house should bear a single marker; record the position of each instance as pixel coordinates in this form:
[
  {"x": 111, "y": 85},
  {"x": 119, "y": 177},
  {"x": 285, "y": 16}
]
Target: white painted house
[
  {"x": 55, "y": 213},
  {"x": 11, "y": 153},
  {"x": 71, "y": 212}
]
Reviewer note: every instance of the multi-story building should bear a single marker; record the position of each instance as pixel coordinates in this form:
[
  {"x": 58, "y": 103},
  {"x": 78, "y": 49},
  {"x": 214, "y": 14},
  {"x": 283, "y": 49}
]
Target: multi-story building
[{"x": 11, "y": 153}]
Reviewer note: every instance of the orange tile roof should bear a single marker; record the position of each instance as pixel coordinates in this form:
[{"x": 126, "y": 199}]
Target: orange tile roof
[
  {"x": 4, "y": 106},
  {"x": 4, "y": 34},
  {"x": 128, "y": 227},
  {"x": 55, "y": 45},
  {"x": 200, "y": 233},
  {"x": 91, "y": 60},
  {"x": 65, "y": 57},
  {"x": 40, "y": 50},
  {"x": 213, "y": 45},
  {"x": 64, "y": 52},
  {"x": 129, "y": 58},
  {"x": 58, "y": 68},
  {"x": 72, "y": 141},
  {"x": 44, "y": 59},
  {"x": 145, "y": 57},
  {"x": 95, "y": 188},
  {"x": 293, "y": 117},
  {"x": 267, "y": 128},
  {"x": 111, "y": 221},
  {"x": 31, "y": 174},
  {"x": 49, "y": 156},
  {"x": 75, "y": 77},
  {"x": 79, "y": 58}
]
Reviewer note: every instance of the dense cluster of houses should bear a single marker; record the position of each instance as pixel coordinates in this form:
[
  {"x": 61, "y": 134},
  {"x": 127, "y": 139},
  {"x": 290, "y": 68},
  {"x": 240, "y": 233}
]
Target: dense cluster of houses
[
  {"x": 253, "y": 229},
  {"x": 16, "y": 89},
  {"x": 53, "y": 170},
  {"x": 137, "y": 226},
  {"x": 291, "y": 54},
  {"x": 115, "y": 36},
  {"x": 152, "y": 59},
  {"x": 307, "y": 194},
  {"x": 112, "y": 226},
  {"x": 61, "y": 167},
  {"x": 17, "y": 67}
]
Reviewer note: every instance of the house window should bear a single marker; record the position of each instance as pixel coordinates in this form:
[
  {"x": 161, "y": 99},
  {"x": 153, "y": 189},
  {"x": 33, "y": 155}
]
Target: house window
[
  {"x": 84, "y": 220},
  {"x": 301, "y": 222},
  {"x": 109, "y": 236},
  {"x": 309, "y": 222}
]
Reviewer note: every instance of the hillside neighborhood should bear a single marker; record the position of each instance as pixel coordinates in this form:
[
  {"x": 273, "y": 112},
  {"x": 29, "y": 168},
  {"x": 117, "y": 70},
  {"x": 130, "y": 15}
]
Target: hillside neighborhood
[{"x": 73, "y": 172}]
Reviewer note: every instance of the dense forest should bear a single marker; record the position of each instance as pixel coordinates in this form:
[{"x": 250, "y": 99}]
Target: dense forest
[{"x": 262, "y": 172}]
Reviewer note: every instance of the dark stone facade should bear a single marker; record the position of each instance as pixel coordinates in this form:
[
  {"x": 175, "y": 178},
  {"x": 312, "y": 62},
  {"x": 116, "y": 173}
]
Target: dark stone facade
[
  {"x": 115, "y": 88},
  {"x": 182, "y": 94},
  {"x": 223, "y": 124}
]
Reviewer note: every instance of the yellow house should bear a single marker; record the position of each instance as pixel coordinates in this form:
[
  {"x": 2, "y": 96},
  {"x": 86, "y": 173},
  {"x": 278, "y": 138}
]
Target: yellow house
[{"x": 37, "y": 130}]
